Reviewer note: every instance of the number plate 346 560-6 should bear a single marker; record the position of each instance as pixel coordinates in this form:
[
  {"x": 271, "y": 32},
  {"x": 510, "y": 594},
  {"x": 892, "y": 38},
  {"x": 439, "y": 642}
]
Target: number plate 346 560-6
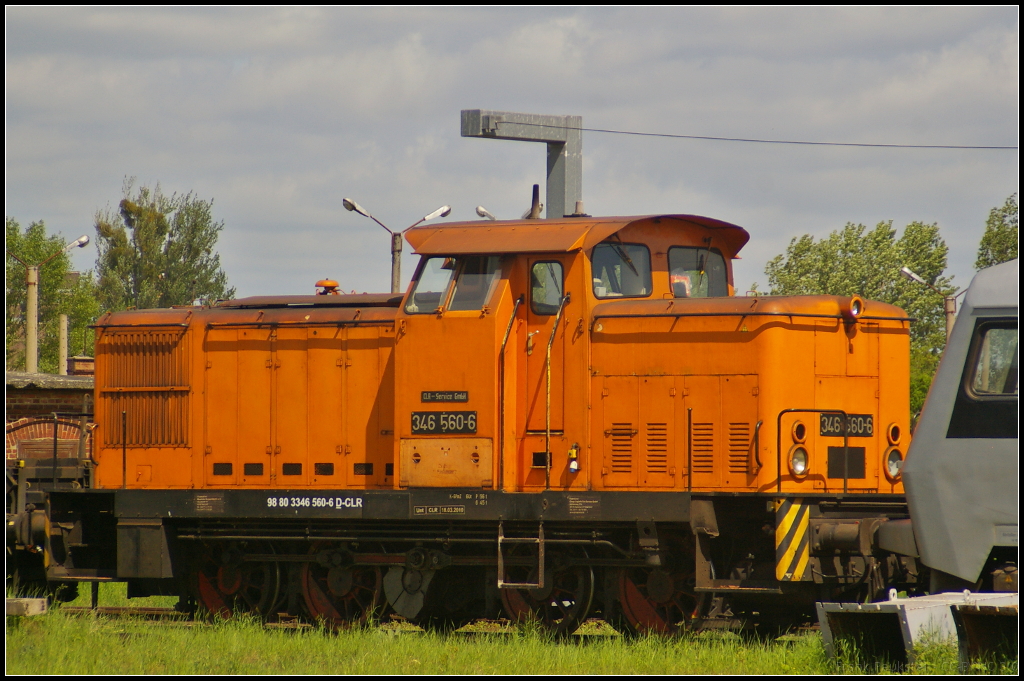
[
  {"x": 443, "y": 422},
  {"x": 857, "y": 425}
]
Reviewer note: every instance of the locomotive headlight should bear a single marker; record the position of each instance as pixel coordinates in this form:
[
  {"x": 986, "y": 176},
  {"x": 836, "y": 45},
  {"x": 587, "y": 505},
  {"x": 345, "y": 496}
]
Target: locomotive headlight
[
  {"x": 893, "y": 464},
  {"x": 893, "y": 434},
  {"x": 852, "y": 308},
  {"x": 799, "y": 462},
  {"x": 799, "y": 432}
]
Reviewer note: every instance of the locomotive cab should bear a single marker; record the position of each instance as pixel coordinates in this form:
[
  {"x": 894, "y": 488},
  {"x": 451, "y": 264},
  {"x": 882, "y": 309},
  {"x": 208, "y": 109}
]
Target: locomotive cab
[{"x": 493, "y": 361}]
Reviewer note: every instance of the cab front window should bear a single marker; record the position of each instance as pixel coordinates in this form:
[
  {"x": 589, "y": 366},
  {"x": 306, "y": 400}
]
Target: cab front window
[
  {"x": 468, "y": 279},
  {"x": 476, "y": 278},
  {"x": 621, "y": 270}
]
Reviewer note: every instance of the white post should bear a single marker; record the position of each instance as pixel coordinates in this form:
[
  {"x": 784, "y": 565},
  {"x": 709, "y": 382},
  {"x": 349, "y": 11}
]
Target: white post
[
  {"x": 396, "y": 262},
  {"x": 32, "y": 320},
  {"x": 62, "y": 351},
  {"x": 950, "y": 310}
]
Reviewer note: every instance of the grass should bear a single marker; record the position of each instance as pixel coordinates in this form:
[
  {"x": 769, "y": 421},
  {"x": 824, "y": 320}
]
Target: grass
[{"x": 61, "y": 643}]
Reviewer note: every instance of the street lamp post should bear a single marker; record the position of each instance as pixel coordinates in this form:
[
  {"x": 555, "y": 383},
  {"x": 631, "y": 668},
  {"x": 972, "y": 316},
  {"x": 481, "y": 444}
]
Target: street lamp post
[
  {"x": 949, "y": 302},
  {"x": 32, "y": 303},
  {"x": 396, "y": 237}
]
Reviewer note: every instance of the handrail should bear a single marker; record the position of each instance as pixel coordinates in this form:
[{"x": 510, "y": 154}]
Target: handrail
[
  {"x": 501, "y": 393},
  {"x": 757, "y": 447},
  {"x": 547, "y": 405},
  {"x": 132, "y": 326},
  {"x": 846, "y": 442},
  {"x": 677, "y": 315},
  {"x": 336, "y": 322}
]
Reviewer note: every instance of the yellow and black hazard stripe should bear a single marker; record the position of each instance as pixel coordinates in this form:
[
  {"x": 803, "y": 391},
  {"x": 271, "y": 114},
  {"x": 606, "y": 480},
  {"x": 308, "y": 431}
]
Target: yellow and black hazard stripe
[{"x": 792, "y": 539}]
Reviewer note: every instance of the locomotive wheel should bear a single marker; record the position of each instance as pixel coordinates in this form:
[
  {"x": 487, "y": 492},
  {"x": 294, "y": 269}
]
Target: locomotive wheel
[
  {"x": 452, "y": 600},
  {"x": 659, "y": 601},
  {"x": 341, "y": 596},
  {"x": 226, "y": 586},
  {"x": 561, "y": 606}
]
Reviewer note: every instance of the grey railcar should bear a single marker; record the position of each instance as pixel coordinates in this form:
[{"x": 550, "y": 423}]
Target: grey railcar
[{"x": 962, "y": 468}]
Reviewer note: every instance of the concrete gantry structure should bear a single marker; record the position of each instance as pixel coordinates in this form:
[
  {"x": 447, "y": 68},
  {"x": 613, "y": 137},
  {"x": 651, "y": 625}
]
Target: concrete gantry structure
[{"x": 563, "y": 136}]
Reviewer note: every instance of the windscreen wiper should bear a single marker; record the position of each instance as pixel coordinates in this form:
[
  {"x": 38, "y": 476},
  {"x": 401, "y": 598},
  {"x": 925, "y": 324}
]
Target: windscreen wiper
[
  {"x": 625, "y": 258},
  {"x": 704, "y": 262}
]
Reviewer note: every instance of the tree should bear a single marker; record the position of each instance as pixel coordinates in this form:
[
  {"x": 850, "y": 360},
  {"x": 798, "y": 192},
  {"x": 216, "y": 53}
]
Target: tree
[
  {"x": 851, "y": 261},
  {"x": 61, "y": 291},
  {"x": 158, "y": 251},
  {"x": 1000, "y": 241}
]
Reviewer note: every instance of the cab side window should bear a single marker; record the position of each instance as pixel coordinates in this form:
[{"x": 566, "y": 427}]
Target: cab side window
[
  {"x": 995, "y": 366},
  {"x": 697, "y": 272},
  {"x": 546, "y": 287}
]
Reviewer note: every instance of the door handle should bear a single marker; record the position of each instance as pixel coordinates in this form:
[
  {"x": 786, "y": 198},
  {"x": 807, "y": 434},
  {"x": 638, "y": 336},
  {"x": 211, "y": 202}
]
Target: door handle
[{"x": 529, "y": 341}]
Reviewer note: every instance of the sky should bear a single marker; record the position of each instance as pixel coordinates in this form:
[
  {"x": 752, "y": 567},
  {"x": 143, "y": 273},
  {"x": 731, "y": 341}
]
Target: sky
[{"x": 276, "y": 114}]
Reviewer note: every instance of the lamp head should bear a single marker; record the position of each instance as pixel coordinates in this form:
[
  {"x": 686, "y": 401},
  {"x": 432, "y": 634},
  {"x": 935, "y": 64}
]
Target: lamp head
[
  {"x": 909, "y": 275},
  {"x": 80, "y": 242},
  {"x": 352, "y": 205},
  {"x": 442, "y": 212}
]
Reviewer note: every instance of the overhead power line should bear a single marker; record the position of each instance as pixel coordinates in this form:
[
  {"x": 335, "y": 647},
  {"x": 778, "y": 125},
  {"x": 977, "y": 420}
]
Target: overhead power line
[{"x": 763, "y": 141}]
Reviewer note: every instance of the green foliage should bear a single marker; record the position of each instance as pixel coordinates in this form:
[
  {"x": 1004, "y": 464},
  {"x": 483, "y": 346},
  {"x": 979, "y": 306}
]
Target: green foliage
[
  {"x": 1000, "y": 241},
  {"x": 855, "y": 260},
  {"x": 158, "y": 251},
  {"x": 60, "y": 292}
]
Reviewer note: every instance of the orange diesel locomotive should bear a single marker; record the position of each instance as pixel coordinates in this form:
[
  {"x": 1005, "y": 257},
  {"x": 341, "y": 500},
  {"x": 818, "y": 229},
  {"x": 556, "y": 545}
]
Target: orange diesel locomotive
[{"x": 560, "y": 419}]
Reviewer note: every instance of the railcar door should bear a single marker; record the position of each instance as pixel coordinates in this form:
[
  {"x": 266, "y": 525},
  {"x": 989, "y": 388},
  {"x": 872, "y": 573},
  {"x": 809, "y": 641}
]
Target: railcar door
[
  {"x": 237, "y": 407},
  {"x": 542, "y": 400},
  {"x": 363, "y": 398},
  {"x": 291, "y": 392},
  {"x": 325, "y": 366}
]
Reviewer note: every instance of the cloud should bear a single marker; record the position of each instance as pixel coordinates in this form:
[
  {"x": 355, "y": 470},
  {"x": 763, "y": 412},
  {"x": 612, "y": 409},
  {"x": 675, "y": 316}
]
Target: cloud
[{"x": 277, "y": 113}]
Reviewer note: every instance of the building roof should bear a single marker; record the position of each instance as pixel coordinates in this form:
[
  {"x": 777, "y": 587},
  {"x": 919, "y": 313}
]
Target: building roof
[{"x": 20, "y": 380}]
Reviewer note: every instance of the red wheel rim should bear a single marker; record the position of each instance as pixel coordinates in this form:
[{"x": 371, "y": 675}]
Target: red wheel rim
[
  {"x": 656, "y": 601},
  {"x": 341, "y": 597},
  {"x": 243, "y": 587},
  {"x": 210, "y": 597}
]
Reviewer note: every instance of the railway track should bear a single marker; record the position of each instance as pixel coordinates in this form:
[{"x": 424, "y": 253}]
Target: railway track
[
  {"x": 172, "y": 615},
  {"x": 593, "y": 627}
]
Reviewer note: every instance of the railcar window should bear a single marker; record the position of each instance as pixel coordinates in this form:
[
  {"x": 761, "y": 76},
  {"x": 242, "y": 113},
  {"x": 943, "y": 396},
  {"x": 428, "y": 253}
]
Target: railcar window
[
  {"x": 545, "y": 287},
  {"x": 477, "y": 277},
  {"x": 621, "y": 270},
  {"x": 986, "y": 403},
  {"x": 697, "y": 272},
  {"x": 431, "y": 284},
  {"x": 995, "y": 367}
]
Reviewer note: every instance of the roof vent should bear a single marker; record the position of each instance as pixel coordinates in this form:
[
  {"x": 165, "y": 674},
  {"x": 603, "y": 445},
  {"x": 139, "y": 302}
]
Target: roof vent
[{"x": 579, "y": 212}]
